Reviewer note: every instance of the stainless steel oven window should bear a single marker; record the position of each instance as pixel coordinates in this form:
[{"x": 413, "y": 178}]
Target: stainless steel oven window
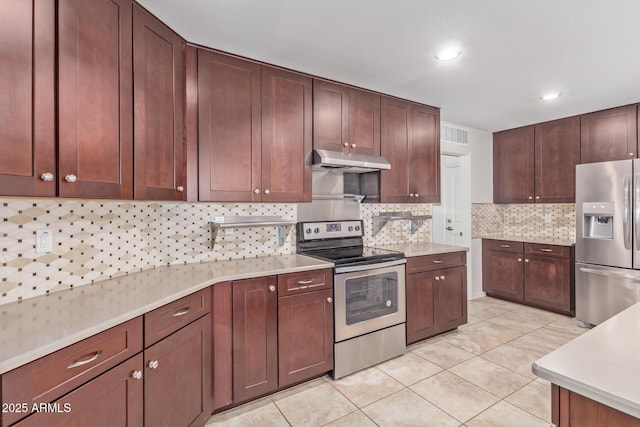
[{"x": 370, "y": 297}]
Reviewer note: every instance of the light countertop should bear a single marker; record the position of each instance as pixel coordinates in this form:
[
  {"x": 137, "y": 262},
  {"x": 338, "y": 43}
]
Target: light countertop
[
  {"x": 38, "y": 326},
  {"x": 419, "y": 249},
  {"x": 540, "y": 240},
  {"x": 601, "y": 364}
]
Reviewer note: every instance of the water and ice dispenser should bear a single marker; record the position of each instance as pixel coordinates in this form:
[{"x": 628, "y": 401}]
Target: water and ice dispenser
[{"x": 598, "y": 220}]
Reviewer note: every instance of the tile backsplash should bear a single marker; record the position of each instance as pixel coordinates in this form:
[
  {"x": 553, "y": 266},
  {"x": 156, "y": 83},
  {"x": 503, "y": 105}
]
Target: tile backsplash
[
  {"x": 557, "y": 221},
  {"x": 98, "y": 239}
]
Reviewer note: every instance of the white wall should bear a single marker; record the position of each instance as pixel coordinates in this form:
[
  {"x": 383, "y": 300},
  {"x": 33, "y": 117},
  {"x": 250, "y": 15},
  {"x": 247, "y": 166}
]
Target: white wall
[{"x": 480, "y": 152}]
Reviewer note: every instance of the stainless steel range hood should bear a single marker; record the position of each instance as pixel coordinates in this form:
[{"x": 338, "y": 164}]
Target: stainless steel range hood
[{"x": 348, "y": 162}]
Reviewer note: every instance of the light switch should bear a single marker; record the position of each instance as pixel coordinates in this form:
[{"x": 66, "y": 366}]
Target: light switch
[{"x": 44, "y": 241}]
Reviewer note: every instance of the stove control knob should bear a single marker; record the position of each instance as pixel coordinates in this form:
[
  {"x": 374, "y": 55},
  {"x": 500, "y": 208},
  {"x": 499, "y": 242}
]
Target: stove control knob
[
  {"x": 316, "y": 230},
  {"x": 357, "y": 228},
  {"x": 307, "y": 231},
  {"x": 350, "y": 228}
]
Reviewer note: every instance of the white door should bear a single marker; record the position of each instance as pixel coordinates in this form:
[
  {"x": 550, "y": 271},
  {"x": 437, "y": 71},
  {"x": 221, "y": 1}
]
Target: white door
[{"x": 451, "y": 216}]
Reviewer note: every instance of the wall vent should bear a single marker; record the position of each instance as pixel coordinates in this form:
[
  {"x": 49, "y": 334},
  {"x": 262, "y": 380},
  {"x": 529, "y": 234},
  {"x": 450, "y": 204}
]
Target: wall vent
[{"x": 454, "y": 135}]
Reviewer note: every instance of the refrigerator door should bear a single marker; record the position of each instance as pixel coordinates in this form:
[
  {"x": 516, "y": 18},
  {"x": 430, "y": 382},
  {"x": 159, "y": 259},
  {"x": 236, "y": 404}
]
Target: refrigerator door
[
  {"x": 602, "y": 292},
  {"x": 604, "y": 213},
  {"x": 636, "y": 213}
]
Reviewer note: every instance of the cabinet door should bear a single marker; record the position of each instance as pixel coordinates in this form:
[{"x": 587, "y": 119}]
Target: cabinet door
[
  {"x": 27, "y": 118},
  {"x": 177, "y": 391},
  {"x": 158, "y": 94},
  {"x": 557, "y": 152},
  {"x": 95, "y": 98},
  {"x": 395, "y": 134},
  {"x": 424, "y": 155},
  {"x": 547, "y": 282},
  {"x": 451, "y": 304},
  {"x": 609, "y": 135},
  {"x": 286, "y": 136},
  {"x": 421, "y": 297},
  {"x": 364, "y": 122},
  {"x": 330, "y": 116},
  {"x": 305, "y": 336},
  {"x": 229, "y": 128},
  {"x": 502, "y": 274},
  {"x": 513, "y": 166},
  {"x": 255, "y": 338},
  {"x": 112, "y": 399}
]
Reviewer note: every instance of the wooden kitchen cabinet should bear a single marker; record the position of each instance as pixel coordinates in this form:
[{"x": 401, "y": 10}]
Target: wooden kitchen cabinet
[
  {"x": 410, "y": 141},
  {"x": 570, "y": 409},
  {"x": 436, "y": 294},
  {"x": 513, "y": 165},
  {"x": 305, "y": 326},
  {"x": 95, "y": 115},
  {"x": 158, "y": 95},
  {"x": 345, "y": 118},
  {"x": 221, "y": 346},
  {"x": 27, "y": 82},
  {"x": 255, "y": 337},
  {"x": 254, "y": 131},
  {"x": 534, "y": 274},
  {"x": 609, "y": 135}
]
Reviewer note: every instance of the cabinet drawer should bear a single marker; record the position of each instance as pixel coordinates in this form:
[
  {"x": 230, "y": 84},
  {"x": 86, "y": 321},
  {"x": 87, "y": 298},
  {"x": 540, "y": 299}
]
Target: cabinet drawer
[
  {"x": 306, "y": 281},
  {"x": 503, "y": 245},
  {"x": 50, "y": 377},
  {"x": 167, "y": 319},
  {"x": 435, "y": 262},
  {"x": 547, "y": 250}
]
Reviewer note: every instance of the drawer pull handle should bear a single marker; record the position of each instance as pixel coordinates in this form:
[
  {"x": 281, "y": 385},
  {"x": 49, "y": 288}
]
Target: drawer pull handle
[
  {"x": 505, "y": 246},
  {"x": 182, "y": 312},
  {"x": 546, "y": 250},
  {"x": 305, "y": 282},
  {"x": 437, "y": 261},
  {"x": 81, "y": 362}
]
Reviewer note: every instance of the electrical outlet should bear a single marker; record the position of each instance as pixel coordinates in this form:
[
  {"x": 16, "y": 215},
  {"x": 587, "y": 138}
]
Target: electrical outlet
[
  {"x": 547, "y": 218},
  {"x": 228, "y": 231},
  {"x": 44, "y": 241}
]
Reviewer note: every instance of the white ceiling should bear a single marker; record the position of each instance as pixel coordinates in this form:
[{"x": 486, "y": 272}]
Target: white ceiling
[{"x": 513, "y": 50}]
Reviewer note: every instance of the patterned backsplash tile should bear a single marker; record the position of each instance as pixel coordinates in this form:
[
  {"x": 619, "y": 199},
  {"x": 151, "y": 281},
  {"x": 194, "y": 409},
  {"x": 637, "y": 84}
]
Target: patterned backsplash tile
[
  {"x": 98, "y": 239},
  {"x": 527, "y": 220}
]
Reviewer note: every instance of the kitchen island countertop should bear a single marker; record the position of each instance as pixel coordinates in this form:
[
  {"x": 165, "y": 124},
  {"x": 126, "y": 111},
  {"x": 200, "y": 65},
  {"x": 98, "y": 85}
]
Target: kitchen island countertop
[
  {"x": 35, "y": 327},
  {"x": 601, "y": 364}
]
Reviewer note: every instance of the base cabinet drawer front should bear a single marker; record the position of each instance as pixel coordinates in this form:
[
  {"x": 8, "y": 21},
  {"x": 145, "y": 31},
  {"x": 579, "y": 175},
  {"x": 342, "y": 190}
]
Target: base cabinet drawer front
[
  {"x": 50, "y": 377},
  {"x": 547, "y": 250},
  {"x": 307, "y": 281},
  {"x": 435, "y": 262},
  {"x": 503, "y": 245},
  {"x": 547, "y": 282},
  {"x": 167, "y": 319},
  {"x": 112, "y": 399},
  {"x": 305, "y": 336},
  {"x": 177, "y": 377}
]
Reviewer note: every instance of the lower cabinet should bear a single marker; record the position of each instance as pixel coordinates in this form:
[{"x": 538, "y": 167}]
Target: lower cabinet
[
  {"x": 534, "y": 274},
  {"x": 436, "y": 294}
]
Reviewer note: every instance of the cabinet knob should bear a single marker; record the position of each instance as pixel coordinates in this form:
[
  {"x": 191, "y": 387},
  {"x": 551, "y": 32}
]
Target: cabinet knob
[
  {"x": 353, "y": 145},
  {"x": 152, "y": 364},
  {"x": 519, "y": 259},
  {"x": 526, "y": 260},
  {"x": 345, "y": 144},
  {"x": 71, "y": 178},
  {"x": 530, "y": 197},
  {"x": 180, "y": 188},
  {"x": 272, "y": 288},
  {"x": 417, "y": 195},
  {"x": 437, "y": 277},
  {"x": 441, "y": 277},
  {"x": 267, "y": 191},
  {"x": 256, "y": 191},
  {"x": 329, "y": 299},
  {"x": 47, "y": 177},
  {"x": 410, "y": 194},
  {"x": 631, "y": 154},
  {"x": 537, "y": 197},
  {"x": 136, "y": 375}
]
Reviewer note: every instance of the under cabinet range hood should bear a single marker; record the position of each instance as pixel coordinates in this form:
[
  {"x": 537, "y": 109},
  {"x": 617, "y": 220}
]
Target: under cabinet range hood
[{"x": 348, "y": 162}]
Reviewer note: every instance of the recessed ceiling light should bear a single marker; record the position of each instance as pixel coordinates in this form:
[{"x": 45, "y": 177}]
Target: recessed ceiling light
[
  {"x": 448, "y": 54},
  {"x": 551, "y": 95}
]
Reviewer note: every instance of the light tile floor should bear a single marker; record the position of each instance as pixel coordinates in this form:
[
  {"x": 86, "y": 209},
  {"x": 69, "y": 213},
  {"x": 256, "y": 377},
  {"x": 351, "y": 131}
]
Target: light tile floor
[{"x": 477, "y": 376}]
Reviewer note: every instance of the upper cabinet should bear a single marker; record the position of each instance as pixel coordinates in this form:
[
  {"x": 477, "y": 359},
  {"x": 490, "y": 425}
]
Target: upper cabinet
[
  {"x": 95, "y": 117},
  {"x": 609, "y": 135},
  {"x": 536, "y": 164},
  {"x": 27, "y": 118},
  {"x": 345, "y": 119},
  {"x": 410, "y": 141},
  {"x": 158, "y": 96},
  {"x": 254, "y": 134}
]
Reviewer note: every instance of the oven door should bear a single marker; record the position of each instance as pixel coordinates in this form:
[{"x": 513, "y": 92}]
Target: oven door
[{"x": 368, "y": 299}]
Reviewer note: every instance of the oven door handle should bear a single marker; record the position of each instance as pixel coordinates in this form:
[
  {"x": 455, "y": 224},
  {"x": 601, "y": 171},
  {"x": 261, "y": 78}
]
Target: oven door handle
[{"x": 367, "y": 267}]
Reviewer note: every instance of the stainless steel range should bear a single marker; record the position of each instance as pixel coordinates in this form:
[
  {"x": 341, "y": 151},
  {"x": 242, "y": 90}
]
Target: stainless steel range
[{"x": 369, "y": 293}]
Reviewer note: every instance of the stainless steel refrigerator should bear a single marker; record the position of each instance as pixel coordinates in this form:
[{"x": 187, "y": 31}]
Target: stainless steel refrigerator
[{"x": 607, "y": 239}]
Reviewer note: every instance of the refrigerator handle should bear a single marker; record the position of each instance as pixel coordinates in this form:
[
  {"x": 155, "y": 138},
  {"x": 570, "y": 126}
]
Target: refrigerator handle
[
  {"x": 636, "y": 210},
  {"x": 626, "y": 219}
]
